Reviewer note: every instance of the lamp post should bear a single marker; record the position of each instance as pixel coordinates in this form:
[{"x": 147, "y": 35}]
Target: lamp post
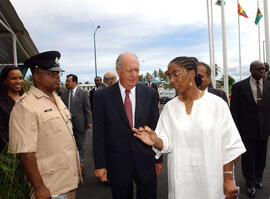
[{"x": 95, "y": 50}]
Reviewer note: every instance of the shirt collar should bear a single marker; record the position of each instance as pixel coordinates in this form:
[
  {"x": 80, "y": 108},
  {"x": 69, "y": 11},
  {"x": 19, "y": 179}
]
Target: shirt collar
[
  {"x": 37, "y": 92},
  {"x": 122, "y": 89},
  {"x": 253, "y": 81},
  {"x": 74, "y": 89}
]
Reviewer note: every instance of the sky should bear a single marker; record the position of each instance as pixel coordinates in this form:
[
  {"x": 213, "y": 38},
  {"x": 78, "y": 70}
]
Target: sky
[{"x": 157, "y": 31}]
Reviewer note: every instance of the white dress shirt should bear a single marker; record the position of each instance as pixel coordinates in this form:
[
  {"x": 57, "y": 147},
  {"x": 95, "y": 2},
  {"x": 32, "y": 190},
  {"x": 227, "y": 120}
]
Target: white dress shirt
[
  {"x": 132, "y": 97},
  {"x": 253, "y": 86}
]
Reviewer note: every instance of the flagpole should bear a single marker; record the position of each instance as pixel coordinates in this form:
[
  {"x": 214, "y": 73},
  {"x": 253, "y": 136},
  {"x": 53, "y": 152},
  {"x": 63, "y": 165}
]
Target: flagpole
[
  {"x": 239, "y": 44},
  {"x": 224, "y": 46},
  {"x": 266, "y": 25},
  {"x": 259, "y": 37},
  {"x": 213, "y": 48},
  {"x": 209, "y": 36}
]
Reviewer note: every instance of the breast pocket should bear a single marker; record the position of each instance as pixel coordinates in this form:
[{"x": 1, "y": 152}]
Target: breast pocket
[{"x": 51, "y": 121}]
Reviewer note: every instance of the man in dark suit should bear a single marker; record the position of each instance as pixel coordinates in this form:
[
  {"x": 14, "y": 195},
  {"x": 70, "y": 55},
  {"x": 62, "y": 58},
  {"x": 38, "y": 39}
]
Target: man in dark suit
[
  {"x": 77, "y": 101},
  {"x": 250, "y": 108},
  {"x": 98, "y": 82},
  {"x": 267, "y": 73},
  {"x": 151, "y": 85},
  {"x": 149, "y": 82},
  {"x": 118, "y": 155},
  {"x": 205, "y": 71},
  {"x": 109, "y": 78}
]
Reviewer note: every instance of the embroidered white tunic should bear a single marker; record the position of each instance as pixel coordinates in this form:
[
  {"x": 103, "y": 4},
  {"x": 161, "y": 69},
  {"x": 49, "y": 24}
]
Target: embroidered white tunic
[{"x": 198, "y": 145}]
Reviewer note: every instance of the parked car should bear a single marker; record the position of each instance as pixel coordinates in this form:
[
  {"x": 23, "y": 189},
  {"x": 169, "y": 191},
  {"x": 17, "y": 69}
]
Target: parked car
[{"x": 166, "y": 95}]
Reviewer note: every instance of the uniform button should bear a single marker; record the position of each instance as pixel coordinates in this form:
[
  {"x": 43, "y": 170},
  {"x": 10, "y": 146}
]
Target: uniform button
[{"x": 52, "y": 170}]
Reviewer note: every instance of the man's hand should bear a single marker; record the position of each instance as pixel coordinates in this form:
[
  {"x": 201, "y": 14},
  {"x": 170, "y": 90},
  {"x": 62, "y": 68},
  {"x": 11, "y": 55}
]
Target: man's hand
[
  {"x": 42, "y": 192},
  {"x": 89, "y": 126},
  {"x": 158, "y": 168},
  {"x": 101, "y": 174}
]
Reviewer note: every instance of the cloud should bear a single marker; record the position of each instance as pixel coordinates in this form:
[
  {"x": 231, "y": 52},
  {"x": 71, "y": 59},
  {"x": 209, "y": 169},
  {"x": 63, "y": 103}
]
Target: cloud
[{"x": 156, "y": 30}]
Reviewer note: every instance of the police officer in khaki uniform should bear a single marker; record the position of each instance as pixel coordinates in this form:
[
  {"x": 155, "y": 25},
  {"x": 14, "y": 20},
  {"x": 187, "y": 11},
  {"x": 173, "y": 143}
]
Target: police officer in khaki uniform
[{"x": 41, "y": 132}]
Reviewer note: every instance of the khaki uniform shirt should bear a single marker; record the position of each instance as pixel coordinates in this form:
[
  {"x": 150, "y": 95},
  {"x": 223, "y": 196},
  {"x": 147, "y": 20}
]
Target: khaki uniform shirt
[{"x": 39, "y": 125}]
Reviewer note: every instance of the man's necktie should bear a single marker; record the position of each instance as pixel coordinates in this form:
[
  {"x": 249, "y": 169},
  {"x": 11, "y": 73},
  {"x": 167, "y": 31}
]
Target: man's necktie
[
  {"x": 70, "y": 100},
  {"x": 128, "y": 108},
  {"x": 149, "y": 84},
  {"x": 259, "y": 92}
]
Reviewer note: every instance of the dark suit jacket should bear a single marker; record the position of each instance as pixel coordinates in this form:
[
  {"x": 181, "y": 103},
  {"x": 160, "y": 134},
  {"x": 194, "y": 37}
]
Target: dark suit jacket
[
  {"x": 219, "y": 93},
  {"x": 102, "y": 86},
  {"x": 251, "y": 119},
  {"x": 154, "y": 86},
  {"x": 91, "y": 97},
  {"x": 81, "y": 114},
  {"x": 114, "y": 144}
]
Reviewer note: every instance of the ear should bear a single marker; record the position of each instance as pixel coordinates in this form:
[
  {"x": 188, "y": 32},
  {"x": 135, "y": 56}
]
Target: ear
[
  {"x": 117, "y": 70},
  {"x": 192, "y": 74}
]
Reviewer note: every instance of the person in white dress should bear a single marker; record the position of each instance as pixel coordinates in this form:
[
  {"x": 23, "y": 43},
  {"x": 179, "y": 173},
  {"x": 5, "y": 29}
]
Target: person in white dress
[{"x": 197, "y": 131}]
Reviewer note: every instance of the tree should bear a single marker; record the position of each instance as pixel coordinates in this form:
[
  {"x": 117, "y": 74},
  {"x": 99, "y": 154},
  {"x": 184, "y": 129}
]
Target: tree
[
  {"x": 155, "y": 74},
  {"x": 141, "y": 77},
  {"x": 27, "y": 83},
  {"x": 217, "y": 69},
  {"x": 231, "y": 80}
]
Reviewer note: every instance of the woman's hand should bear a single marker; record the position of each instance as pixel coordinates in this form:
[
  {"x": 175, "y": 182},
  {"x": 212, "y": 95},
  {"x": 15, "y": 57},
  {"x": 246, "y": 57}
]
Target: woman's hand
[
  {"x": 146, "y": 134},
  {"x": 230, "y": 189}
]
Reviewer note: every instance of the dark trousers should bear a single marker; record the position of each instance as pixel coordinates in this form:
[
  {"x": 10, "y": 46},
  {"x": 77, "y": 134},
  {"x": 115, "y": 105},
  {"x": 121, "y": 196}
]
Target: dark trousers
[
  {"x": 143, "y": 191},
  {"x": 253, "y": 161},
  {"x": 80, "y": 142}
]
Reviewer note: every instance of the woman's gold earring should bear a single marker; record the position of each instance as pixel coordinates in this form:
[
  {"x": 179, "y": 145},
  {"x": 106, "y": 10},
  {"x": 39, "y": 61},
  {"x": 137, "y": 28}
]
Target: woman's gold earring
[{"x": 190, "y": 84}]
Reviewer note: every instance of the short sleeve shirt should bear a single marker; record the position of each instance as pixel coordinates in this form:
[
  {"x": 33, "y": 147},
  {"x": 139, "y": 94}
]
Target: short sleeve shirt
[{"x": 39, "y": 125}]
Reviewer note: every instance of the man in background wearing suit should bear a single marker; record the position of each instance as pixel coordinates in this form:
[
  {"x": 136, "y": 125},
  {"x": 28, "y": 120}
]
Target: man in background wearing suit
[
  {"x": 98, "y": 82},
  {"x": 118, "y": 155},
  {"x": 77, "y": 101},
  {"x": 108, "y": 79},
  {"x": 267, "y": 73},
  {"x": 205, "y": 71},
  {"x": 149, "y": 82},
  {"x": 151, "y": 85},
  {"x": 250, "y": 108}
]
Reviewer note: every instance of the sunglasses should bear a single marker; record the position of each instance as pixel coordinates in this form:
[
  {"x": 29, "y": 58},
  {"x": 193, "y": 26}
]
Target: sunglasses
[{"x": 260, "y": 68}]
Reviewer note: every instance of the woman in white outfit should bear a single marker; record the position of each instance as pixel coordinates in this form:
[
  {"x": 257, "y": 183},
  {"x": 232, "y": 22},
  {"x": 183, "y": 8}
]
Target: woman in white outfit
[{"x": 198, "y": 133}]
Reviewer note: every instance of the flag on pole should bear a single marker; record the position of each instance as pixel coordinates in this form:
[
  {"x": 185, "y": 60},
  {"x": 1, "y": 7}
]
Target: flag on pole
[
  {"x": 219, "y": 2},
  {"x": 258, "y": 16},
  {"x": 241, "y": 11}
]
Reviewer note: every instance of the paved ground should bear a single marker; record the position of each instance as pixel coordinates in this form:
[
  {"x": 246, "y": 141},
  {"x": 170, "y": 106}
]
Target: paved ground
[{"x": 93, "y": 189}]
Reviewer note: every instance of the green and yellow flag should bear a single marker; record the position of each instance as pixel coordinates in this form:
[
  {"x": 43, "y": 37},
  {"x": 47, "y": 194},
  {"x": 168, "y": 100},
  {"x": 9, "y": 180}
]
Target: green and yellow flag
[{"x": 258, "y": 16}]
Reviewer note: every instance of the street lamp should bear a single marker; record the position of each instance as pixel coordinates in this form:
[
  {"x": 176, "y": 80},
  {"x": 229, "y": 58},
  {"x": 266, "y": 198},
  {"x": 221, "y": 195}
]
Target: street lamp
[{"x": 95, "y": 50}]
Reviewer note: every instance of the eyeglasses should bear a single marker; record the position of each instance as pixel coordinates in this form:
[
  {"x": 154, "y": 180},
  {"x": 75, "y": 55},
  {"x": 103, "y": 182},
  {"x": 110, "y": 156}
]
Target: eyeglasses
[
  {"x": 260, "y": 68},
  {"x": 175, "y": 74},
  {"x": 52, "y": 74}
]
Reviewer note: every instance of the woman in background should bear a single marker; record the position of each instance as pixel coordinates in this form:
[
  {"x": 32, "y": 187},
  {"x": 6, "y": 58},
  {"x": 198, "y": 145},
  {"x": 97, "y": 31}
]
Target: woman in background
[
  {"x": 197, "y": 131},
  {"x": 11, "y": 83}
]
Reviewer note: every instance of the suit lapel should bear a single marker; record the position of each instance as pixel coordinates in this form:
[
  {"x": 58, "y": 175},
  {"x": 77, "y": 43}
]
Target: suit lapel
[
  {"x": 116, "y": 97},
  {"x": 139, "y": 103},
  {"x": 76, "y": 95},
  {"x": 248, "y": 92}
]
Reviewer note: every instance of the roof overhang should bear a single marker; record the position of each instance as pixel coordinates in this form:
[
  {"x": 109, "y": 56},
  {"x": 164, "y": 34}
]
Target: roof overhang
[{"x": 16, "y": 44}]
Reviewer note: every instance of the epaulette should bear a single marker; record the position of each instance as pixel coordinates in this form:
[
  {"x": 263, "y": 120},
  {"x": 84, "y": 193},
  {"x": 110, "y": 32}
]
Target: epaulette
[{"x": 22, "y": 97}]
